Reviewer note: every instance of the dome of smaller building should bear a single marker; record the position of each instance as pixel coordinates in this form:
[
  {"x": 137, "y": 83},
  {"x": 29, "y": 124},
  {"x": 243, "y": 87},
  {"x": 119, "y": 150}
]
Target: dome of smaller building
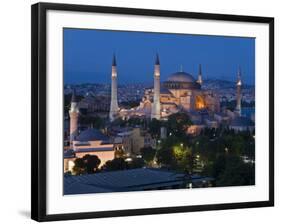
[
  {"x": 181, "y": 77},
  {"x": 91, "y": 134}
]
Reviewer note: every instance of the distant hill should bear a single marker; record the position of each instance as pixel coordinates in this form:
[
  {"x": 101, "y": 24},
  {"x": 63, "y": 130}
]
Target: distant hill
[
  {"x": 221, "y": 84},
  {"x": 207, "y": 84}
]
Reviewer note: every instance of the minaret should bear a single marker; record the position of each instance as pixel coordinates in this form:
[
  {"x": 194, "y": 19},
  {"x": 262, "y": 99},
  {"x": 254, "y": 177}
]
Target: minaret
[
  {"x": 200, "y": 80},
  {"x": 73, "y": 114},
  {"x": 113, "y": 104},
  {"x": 239, "y": 94},
  {"x": 155, "y": 112},
  {"x": 181, "y": 68}
]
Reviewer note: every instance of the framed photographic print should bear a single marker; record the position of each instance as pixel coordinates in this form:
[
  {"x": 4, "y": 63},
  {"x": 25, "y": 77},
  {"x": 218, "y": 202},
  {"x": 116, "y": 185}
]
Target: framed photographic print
[{"x": 139, "y": 111}]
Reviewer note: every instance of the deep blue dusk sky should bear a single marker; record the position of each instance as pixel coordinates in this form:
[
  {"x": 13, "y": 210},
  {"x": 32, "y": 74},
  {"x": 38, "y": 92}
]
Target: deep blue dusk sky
[{"x": 88, "y": 56}]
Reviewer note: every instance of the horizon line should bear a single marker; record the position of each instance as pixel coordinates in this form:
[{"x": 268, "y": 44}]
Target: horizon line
[{"x": 148, "y": 82}]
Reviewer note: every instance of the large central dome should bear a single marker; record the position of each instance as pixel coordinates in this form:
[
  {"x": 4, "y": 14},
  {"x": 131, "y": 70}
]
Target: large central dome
[
  {"x": 181, "y": 77},
  {"x": 181, "y": 80}
]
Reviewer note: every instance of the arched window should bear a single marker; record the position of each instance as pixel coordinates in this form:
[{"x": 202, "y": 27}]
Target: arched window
[{"x": 200, "y": 102}]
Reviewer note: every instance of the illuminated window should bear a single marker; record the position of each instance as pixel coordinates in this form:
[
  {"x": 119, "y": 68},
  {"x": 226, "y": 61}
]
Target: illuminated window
[{"x": 200, "y": 103}]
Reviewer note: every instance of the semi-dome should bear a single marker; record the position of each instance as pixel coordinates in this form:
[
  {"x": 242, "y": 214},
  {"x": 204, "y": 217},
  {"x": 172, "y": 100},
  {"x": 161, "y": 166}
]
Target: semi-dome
[{"x": 181, "y": 77}]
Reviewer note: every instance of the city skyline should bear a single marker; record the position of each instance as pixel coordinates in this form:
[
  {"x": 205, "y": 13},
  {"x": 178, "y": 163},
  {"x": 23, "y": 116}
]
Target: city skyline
[
  {"x": 181, "y": 126},
  {"x": 88, "y": 56}
]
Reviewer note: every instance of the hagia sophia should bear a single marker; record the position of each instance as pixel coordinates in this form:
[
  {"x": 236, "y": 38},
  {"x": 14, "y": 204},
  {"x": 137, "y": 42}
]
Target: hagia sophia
[{"x": 181, "y": 92}]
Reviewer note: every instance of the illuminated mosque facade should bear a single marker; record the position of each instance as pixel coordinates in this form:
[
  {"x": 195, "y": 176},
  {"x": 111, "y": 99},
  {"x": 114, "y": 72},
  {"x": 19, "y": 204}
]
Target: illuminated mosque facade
[{"x": 180, "y": 92}]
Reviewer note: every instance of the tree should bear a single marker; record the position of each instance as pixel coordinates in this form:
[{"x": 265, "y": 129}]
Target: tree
[
  {"x": 165, "y": 156},
  {"x": 236, "y": 173},
  {"x": 136, "y": 163},
  {"x": 115, "y": 164},
  {"x": 92, "y": 163},
  {"x": 172, "y": 152},
  {"x": 231, "y": 170},
  {"x": 178, "y": 123},
  {"x": 154, "y": 127},
  {"x": 178, "y": 157},
  {"x": 148, "y": 154},
  {"x": 88, "y": 164},
  {"x": 218, "y": 166},
  {"x": 182, "y": 157},
  {"x": 201, "y": 146},
  {"x": 79, "y": 167}
]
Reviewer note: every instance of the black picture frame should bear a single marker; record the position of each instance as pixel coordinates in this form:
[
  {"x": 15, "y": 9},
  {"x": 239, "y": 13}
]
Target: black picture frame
[{"x": 38, "y": 108}]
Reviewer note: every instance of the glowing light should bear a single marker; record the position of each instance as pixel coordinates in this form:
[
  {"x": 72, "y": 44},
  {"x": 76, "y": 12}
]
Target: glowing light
[
  {"x": 114, "y": 74},
  {"x": 129, "y": 160},
  {"x": 179, "y": 152},
  {"x": 200, "y": 102},
  {"x": 70, "y": 165}
]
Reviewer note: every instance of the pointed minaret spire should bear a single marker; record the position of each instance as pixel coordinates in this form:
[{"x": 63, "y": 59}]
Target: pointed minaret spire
[
  {"x": 114, "y": 103},
  {"x": 114, "y": 60},
  {"x": 73, "y": 114},
  {"x": 73, "y": 98},
  {"x": 157, "y": 61},
  {"x": 238, "y": 92},
  {"x": 181, "y": 68},
  {"x": 200, "y": 80},
  {"x": 155, "y": 112},
  {"x": 239, "y": 81}
]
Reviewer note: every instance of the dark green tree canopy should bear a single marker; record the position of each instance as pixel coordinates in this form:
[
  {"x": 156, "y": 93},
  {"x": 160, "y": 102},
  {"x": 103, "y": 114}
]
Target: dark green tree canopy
[
  {"x": 115, "y": 164},
  {"x": 148, "y": 153},
  {"x": 88, "y": 164}
]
